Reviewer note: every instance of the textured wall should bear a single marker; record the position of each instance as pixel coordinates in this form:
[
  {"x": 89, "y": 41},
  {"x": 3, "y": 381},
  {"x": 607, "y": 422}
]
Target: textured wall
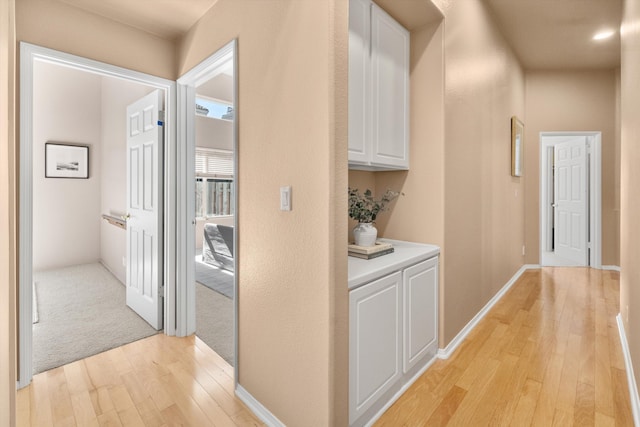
[
  {"x": 7, "y": 216},
  {"x": 630, "y": 180},
  {"x": 484, "y": 205},
  {"x": 59, "y": 26},
  {"x": 292, "y": 284}
]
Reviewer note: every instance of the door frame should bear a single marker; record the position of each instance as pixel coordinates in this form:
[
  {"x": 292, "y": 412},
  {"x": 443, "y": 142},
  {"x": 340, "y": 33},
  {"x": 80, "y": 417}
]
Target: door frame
[
  {"x": 595, "y": 197},
  {"x": 29, "y": 54},
  {"x": 186, "y": 290}
]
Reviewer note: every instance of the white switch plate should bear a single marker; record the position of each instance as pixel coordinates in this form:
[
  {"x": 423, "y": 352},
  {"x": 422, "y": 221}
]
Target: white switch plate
[{"x": 285, "y": 198}]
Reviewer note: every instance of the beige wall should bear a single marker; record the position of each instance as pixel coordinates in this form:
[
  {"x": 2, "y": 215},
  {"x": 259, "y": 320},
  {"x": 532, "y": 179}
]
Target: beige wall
[
  {"x": 66, "y": 212},
  {"x": 630, "y": 181},
  {"x": 484, "y": 205},
  {"x": 59, "y": 26},
  {"x": 292, "y": 289},
  {"x": 7, "y": 216},
  {"x": 572, "y": 101}
]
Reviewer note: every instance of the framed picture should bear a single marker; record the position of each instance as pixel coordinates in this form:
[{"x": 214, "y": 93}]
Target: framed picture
[
  {"x": 517, "y": 146},
  {"x": 66, "y": 161}
]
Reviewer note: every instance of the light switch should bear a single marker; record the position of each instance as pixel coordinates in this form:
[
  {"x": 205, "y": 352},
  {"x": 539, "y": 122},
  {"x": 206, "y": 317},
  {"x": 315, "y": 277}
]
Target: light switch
[{"x": 285, "y": 198}]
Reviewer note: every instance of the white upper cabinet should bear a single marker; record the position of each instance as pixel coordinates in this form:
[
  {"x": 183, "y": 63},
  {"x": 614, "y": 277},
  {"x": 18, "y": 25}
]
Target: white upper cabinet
[{"x": 378, "y": 89}]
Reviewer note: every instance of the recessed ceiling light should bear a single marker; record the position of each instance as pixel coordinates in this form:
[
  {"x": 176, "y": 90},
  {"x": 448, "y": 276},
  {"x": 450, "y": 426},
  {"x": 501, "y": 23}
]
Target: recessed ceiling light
[{"x": 602, "y": 35}]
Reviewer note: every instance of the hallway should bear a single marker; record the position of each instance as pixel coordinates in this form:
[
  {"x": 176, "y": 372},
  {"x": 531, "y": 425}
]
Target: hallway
[{"x": 547, "y": 354}]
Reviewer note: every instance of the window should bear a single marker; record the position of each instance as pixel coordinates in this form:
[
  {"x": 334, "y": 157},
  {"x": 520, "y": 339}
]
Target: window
[
  {"x": 214, "y": 183},
  {"x": 215, "y": 108}
]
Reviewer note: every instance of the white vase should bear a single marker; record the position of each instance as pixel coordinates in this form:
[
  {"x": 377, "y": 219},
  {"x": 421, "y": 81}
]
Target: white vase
[{"x": 365, "y": 234}]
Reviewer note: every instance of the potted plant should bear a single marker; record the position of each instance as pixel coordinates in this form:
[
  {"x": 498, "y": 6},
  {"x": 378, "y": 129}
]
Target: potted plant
[{"x": 364, "y": 209}]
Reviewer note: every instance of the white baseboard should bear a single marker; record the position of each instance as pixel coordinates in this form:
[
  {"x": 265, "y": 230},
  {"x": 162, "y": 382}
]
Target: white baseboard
[
  {"x": 631, "y": 379},
  {"x": 257, "y": 408},
  {"x": 445, "y": 353},
  {"x": 611, "y": 267}
]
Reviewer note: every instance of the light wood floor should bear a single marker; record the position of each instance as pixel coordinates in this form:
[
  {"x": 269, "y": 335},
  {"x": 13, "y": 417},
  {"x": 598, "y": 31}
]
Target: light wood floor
[
  {"x": 157, "y": 381},
  {"x": 548, "y": 354}
]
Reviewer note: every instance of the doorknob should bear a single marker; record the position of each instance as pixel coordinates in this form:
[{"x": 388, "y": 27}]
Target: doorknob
[
  {"x": 126, "y": 217},
  {"x": 553, "y": 205}
]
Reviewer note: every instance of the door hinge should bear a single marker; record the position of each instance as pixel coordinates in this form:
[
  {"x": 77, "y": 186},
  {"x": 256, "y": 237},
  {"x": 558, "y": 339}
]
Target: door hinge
[
  {"x": 160, "y": 118},
  {"x": 588, "y": 245},
  {"x": 161, "y": 291}
]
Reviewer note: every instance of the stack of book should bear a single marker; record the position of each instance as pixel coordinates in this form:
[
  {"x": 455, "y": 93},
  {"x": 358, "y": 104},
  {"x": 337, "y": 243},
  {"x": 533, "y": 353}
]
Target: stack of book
[{"x": 369, "y": 252}]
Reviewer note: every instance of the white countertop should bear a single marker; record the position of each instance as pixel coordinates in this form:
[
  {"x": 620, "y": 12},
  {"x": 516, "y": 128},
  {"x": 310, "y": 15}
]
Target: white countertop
[{"x": 405, "y": 254}]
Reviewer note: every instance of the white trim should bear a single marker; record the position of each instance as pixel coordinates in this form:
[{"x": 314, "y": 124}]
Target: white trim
[
  {"x": 611, "y": 268},
  {"x": 400, "y": 392},
  {"x": 445, "y": 353},
  {"x": 257, "y": 408},
  {"x": 595, "y": 197},
  {"x": 28, "y": 55},
  {"x": 631, "y": 379},
  {"x": 186, "y": 302}
]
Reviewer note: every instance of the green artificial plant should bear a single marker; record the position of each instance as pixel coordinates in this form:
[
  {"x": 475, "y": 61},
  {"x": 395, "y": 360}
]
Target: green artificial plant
[{"x": 364, "y": 208}]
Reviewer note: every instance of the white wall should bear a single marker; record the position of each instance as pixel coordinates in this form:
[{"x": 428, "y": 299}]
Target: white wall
[
  {"x": 79, "y": 107},
  {"x": 116, "y": 94},
  {"x": 66, "y": 212}
]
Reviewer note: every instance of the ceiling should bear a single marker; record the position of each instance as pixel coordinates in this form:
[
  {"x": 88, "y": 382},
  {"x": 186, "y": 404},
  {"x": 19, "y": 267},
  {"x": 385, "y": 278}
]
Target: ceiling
[
  {"x": 557, "y": 34},
  {"x": 545, "y": 34}
]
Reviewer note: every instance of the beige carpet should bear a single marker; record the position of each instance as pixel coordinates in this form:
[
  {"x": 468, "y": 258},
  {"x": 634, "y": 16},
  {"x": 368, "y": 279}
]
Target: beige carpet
[
  {"x": 214, "y": 321},
  {"x": 82, "y": 312}
]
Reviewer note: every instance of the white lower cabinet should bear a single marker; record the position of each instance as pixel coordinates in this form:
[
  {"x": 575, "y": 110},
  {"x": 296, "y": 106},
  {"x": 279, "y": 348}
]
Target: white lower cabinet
[
  {"x": 420, "y": 289},
  {"x": 392, "y": 336},
  {"x": 374, "y": 341}
]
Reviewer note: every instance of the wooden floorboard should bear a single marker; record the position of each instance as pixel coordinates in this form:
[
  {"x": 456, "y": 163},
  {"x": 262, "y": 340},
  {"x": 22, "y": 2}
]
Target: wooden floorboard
[
  {"x": 547, "y": 354},
  {"x": 157, "y": 381}
]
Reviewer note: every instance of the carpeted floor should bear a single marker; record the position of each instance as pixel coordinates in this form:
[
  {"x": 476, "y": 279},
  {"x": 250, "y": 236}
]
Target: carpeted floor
[
  {"x": 214, "y": 321},
  {"x": 82, "y": 312}
]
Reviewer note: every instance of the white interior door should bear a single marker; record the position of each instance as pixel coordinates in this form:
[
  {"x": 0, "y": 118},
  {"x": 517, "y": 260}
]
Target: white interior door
[
  {"x": 571, "y": 201},
  {"x": 144, "y": 208}
]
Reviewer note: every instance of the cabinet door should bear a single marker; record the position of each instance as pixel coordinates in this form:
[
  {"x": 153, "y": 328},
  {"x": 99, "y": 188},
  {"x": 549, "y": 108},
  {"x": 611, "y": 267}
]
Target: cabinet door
[
  {"x": 359, "y": 80},
  {"x": 390, "y": 91},
  {"x": 420, "y": 289},
  {"x": 374, "y": 341}
]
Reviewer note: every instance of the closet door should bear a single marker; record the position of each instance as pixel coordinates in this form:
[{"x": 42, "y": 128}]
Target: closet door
[
  {"x": 359, "y": 80},
  {"x": 390, "y": 91}
]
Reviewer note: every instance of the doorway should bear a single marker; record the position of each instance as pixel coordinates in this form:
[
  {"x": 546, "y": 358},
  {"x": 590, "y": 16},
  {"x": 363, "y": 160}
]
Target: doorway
[
  {"x": 30, "y": 56},
  {"x": 207, "y": 101},
  {"x": 570, "y": 199}
]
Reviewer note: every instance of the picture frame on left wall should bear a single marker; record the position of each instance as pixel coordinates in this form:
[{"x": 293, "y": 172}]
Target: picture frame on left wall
[{"x": 66, "y": 160}]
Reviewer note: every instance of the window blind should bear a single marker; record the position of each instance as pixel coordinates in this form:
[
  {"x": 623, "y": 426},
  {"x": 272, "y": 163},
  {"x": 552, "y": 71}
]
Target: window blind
[{"x": 214, "y": 163}]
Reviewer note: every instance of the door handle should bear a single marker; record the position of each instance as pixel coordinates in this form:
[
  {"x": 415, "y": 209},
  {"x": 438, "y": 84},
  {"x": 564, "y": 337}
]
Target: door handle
[{"x": 126, "y": 217}]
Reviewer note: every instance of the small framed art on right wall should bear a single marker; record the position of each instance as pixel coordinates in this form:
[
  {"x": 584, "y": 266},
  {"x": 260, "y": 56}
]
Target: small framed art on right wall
[{"x": 517, "y": 146}]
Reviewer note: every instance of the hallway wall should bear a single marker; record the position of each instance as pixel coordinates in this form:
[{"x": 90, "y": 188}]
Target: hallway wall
[
  {"x": 630, "y": 181},
  {"x": 293, "y": 329},
  {"x": 7, "y": 216},
  {"x": 484, "y": 205},
  {"x": 572, "y": 101}
]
